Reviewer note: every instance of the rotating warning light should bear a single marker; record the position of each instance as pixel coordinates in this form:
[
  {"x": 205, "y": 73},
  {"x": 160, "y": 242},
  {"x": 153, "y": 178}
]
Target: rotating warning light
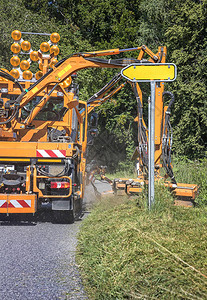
[
  {"x": 54, "y": 49},
  {"x": 15, "y": 73},
  {"x": 16, "y": 35},
  {"x": 15, "y": 61},
  {"x": 15, "y": 48},
  {"x": 25, "y": 45},
  {"x": 24, "y": 65},
  {"x": 34, "y": 56},
  {"x": 55, "y": 37},
  {"x": 38, "y": 75},
  {"x": 27, "y": 75},
  {"x": 53, "y": 62},
  {"x": 44, "y": 47}
]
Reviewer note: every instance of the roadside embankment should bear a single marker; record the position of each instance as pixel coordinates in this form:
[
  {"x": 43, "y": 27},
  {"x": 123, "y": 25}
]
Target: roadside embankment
[{"x": 128, "y": 252}]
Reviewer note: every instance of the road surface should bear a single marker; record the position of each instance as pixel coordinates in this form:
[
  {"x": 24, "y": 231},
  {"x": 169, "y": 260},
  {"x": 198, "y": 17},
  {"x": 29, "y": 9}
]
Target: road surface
[
  {"x": 37, "y": 257},
  {"x": 38, "y": 261}
]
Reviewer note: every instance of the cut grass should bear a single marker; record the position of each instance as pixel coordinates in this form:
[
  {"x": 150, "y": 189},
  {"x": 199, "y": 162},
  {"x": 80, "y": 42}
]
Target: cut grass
[
  {"x": 128, "y": 252},
  {"x": 195, "y": 172},
  {"x": 185, "y": 171}
]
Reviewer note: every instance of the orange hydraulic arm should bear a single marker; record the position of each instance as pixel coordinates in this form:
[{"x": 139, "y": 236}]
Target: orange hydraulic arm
[
  {"x": 63, "y": 70},
  {"x": 67, "y": 67},
  {"x": 100, "y": 99}
]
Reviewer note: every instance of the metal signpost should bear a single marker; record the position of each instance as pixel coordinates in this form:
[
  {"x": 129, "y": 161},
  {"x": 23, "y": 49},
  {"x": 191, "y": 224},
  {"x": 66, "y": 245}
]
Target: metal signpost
[{"x": 149, "y": 72}]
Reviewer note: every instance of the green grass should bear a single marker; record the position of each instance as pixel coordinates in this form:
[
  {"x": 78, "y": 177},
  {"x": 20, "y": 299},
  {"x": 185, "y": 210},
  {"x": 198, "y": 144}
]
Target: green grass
[
  {"x": 126, "y": 251},
  {"x": 121, "y": 174},
  {"x": 185, "y": 171}
]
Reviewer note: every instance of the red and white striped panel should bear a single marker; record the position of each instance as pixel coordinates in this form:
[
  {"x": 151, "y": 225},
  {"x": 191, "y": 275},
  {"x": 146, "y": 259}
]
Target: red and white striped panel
[
  {"x": 16, "y": 204},
  {"x": 51, "y": 153},
  {"x": 20, "y": 203},
  {"x": 3, "y": 204}
]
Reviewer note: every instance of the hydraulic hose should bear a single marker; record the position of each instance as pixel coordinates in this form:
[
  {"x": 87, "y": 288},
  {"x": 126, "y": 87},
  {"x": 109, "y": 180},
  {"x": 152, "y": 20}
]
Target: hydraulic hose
[
  {"x": 11, "y": 117},
  {"x": 122, "y": 62},
  {"x": 142, "y": 137},
  {"x": 10, "y": 78},
  {"x": 110, "y": 84},
  {"x": 62, "y": 173},
  {"x": 167, "y": 139},
  {"x": 171, "y": 101},
  {"x": 17, "y": 101}
]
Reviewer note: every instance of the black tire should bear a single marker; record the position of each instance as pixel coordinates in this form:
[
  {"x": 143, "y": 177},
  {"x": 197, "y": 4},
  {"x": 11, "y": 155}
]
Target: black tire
[{"x": 63, "y": 216}]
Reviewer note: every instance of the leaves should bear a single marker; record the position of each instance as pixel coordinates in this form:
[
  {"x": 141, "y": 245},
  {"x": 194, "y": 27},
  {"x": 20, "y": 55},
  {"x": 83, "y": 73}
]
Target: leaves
[{"x": 97, "y": 25}]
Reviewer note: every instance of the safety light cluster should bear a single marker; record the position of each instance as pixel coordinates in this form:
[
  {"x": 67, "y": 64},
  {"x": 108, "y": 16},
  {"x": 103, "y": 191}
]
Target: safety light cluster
[
  {"x": 20, "y": 69},
  {"x": 59, "y": 185}
]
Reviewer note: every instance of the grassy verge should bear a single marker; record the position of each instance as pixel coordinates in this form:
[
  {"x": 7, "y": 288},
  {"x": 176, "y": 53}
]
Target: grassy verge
[
  {"x": 188, "y": 171},
  {"x": 185, "y": 171},
  {"x": 127, "y": 252}
]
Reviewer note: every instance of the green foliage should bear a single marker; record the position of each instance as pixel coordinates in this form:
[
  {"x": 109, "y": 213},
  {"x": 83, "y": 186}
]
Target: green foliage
[
  {"x": 194, "y": 172},
  {"x": 15, "y": 16},
  {"x": 187, "y": 45},
  {"x": 107, "y": 23},
  {"x": 134, "y": 253},
  {"x": 96, "y": 25}
]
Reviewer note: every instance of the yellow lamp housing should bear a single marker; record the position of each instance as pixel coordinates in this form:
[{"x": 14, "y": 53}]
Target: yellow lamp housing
[
  {"x": 27, "y": 75},
  {"x": 16, "y": 35},
  {"x": 24, "y": 65},
  {"x": 14, "y": 73},
  {"x": 41, "y": 66},
  {"x": 55, "y": 37},
  {"x": 66, "y": 83},
  {"x": 15, "y": 61},
  {"x": 38, "y": 75},
  {"x": 44, "y": 47},
  {"x": 53, "y": 62},
  {"x": 15, "y": 48},
  {"x": 34, "y": 56},
  {"x": 54, "y": 49},
  {"x": 25, "y": 45}
]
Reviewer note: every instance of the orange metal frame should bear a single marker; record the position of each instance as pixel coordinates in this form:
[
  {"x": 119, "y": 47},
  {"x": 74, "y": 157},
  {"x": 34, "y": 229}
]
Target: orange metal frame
[
  {"x": 20, "y": 140},
  {"x": 19, "y": 199}
]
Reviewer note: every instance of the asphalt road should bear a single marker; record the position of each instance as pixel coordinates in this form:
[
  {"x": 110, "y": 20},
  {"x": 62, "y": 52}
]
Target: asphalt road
[
  {"x": 37, "y": 258},
  {"x": 38, "y": 261}
]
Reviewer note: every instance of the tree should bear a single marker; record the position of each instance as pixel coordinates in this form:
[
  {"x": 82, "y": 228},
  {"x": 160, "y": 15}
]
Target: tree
[
  {"x": 187, "y": 47},
  {"x": 14, "y": 15},
  {"x": 97, "y": 25}
]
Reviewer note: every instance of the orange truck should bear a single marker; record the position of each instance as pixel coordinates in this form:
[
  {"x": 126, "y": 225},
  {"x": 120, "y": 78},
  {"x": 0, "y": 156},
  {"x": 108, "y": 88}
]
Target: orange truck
[{"x": 44, "y": 126}]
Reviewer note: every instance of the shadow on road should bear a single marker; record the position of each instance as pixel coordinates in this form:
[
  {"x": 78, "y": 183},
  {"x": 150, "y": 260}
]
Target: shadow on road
[{"x": 43, "y": 216}]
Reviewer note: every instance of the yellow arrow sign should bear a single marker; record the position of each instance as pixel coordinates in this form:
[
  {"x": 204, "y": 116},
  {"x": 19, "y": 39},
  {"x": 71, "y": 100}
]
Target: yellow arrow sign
[{"x": 149, "y": 72}]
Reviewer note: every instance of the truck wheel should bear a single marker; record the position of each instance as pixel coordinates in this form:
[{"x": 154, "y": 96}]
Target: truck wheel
[{"x": 63, "y": 216}]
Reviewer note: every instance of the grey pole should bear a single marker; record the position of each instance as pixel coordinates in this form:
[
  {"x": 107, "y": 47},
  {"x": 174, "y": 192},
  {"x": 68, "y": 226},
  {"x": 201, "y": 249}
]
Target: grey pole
[
  {"x": 151, "y": 142},
  {"x": 149, "y": 150}
]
